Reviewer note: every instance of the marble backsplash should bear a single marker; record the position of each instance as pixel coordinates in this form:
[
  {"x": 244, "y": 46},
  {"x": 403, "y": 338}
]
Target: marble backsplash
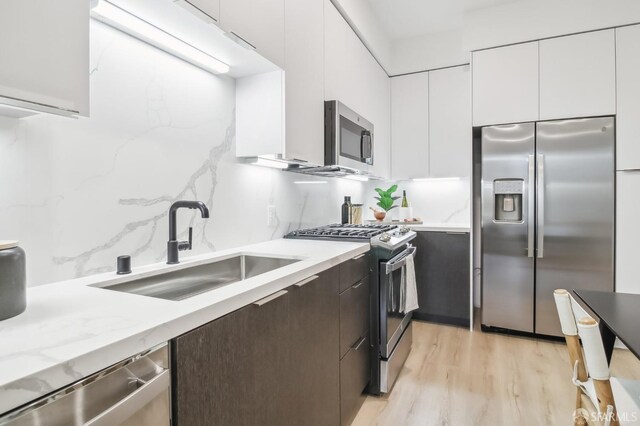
[{"x": 77, "y": 193}]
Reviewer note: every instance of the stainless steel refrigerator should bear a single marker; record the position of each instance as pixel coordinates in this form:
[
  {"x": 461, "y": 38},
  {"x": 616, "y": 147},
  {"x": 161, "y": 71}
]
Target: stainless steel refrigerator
[{"x": 547, "y": 218}]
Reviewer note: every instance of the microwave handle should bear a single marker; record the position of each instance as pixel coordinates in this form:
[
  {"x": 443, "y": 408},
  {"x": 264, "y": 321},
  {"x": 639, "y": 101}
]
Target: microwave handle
[{"x": 365, "y": 144}]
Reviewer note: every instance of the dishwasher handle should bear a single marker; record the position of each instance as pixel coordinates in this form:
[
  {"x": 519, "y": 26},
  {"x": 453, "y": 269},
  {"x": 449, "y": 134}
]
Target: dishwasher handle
[{"x": 132, "y": 403}]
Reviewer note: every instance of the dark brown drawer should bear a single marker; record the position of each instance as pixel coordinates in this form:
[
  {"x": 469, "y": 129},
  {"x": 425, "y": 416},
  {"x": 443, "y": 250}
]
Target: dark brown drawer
[
  {"x": 354, "y": 314},
  {"x": 354, "y": 377},
  {"x": 353, "y": 270}
]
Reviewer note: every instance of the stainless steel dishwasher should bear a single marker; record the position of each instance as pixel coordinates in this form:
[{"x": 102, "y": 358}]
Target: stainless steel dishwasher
[{"x": 136, "y": 391}]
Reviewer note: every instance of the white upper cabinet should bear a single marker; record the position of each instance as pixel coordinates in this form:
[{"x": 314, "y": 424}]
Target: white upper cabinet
[
  {"x": 353, "y": 77},
  {"x": 44, "y": 55},
  {"x": 627, "y": 231},
  {"x": 505, "y": 84},
  {"x": 209, "y": 10},
  {"x": 410, "y": 126},
  {"x": 450, "y": 122},
  {"x": 578, "y": 75},
  {"x": 258, "y": 23},
  {"x": 304, "y": 81},
  {"x": 628, "y": 97}
]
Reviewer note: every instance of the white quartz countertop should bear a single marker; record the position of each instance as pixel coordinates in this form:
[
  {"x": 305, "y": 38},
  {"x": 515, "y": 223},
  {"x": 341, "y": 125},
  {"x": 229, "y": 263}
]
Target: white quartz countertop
[
  {"x": 71, "y": 329},
  {"x": 440, "y": 227}
]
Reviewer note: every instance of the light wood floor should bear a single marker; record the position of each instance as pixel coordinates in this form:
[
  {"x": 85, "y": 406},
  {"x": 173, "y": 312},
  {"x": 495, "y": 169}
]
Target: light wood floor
[{"x": 455, "y": 377}]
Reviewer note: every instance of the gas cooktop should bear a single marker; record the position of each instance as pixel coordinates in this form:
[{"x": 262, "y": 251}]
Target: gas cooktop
[{"x": 342, "y": 232}]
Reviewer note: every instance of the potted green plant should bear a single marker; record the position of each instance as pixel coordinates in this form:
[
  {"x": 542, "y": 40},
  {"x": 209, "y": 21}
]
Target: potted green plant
[{"x": 386, "y": 202}]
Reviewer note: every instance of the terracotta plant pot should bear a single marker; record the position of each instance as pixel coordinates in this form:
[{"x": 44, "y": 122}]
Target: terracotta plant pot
[{"x": 379, "y": 215}]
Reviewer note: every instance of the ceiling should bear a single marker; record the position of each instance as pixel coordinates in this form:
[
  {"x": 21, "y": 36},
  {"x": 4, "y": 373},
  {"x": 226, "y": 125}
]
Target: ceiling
[{"x": 410, "y": 18}]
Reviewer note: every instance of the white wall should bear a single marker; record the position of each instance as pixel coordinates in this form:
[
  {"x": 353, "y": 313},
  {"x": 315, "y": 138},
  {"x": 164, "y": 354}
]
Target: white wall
[
  {"x": 526, "y": 20},
  {"x": 361, "y": 18},
  {"x": 434, "y": 201},
  {"x": 78, "y": 193},
  {"x": 508, "y": 23},
  {"x": 436, "y": 50}
]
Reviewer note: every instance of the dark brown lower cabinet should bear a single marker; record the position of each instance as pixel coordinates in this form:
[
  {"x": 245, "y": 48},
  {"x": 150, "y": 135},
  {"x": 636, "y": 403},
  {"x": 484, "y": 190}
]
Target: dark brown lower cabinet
[
  {"x": 443, "y": 277},
  {"x": 274, "y": 362},
  {"x": 314, "y": 351},
  {"x": 354, "y": 377}
]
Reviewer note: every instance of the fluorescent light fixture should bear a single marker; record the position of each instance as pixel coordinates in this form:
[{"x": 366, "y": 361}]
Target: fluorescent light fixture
[
  {"x": 357, "y": 177},
  {"x": 309, "y": 182},
  {"x": 449, "y": 179},
  {"x": 274, "y": 164},
  {"x": 122, "y": 20}
]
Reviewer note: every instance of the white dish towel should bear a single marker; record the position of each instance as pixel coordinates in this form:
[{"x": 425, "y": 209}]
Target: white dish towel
[{"x": 409, "y": 284}]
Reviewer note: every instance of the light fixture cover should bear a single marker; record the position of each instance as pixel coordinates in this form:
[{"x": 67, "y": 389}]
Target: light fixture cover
[{"x": 120, "y": 19}]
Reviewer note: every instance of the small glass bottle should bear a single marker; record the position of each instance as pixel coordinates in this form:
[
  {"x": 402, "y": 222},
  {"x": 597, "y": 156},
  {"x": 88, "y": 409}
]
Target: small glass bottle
[{"x": 346, "y": 210}]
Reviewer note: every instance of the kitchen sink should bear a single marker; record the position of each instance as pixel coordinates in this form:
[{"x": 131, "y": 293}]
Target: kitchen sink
[{"x": 189, "y": 282}]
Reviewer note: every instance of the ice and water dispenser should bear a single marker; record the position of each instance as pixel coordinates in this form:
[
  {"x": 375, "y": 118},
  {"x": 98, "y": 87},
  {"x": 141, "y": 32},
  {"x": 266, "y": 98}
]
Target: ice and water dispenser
[{"x": 508, "y": 195}]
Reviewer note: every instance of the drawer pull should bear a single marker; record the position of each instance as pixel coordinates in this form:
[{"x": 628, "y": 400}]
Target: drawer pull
[
  {"x": 268, "y": 299},
  {"x": 360, "y": 256},
  {"x": 306, "y": 281},
  {"x": 359, "y": 343},
  {"x": 357, "y": 285}
]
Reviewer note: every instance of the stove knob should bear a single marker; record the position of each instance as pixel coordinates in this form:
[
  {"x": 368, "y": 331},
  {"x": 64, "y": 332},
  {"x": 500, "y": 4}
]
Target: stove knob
[
  {"x": 404, "y": 229},
  {"x": 385, "y": 237}
]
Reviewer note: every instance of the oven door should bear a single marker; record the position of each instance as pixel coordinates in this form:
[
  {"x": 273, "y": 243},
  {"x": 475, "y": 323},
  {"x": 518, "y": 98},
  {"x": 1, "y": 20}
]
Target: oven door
[{"x": 392, "y": 320}]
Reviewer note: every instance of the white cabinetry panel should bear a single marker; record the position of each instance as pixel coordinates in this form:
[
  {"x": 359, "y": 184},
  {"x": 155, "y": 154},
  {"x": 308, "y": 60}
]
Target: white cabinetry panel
[
  {"x": 209, "y": 10},
  {"x": 259, "y": 23},
  {"x": 353, "y": 77},
  {"x": 304, "y": 80},
  {"x": 505, "y": 84},
  {"x": 410, "y": 126},
  {"x": 628, "y": 97},
  {"x": 577, "y": 75},
  {"x": 627, "y": 232},
  {"x": 450, "y": 122},
  {"x": 45, "y": 53}
]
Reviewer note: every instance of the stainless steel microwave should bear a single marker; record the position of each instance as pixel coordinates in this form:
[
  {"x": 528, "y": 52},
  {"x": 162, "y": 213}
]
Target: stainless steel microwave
[{"x": 348, "y": 137}]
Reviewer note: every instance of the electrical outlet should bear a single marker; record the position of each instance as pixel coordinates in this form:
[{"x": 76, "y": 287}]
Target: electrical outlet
[{"x": 271, "y": 216}]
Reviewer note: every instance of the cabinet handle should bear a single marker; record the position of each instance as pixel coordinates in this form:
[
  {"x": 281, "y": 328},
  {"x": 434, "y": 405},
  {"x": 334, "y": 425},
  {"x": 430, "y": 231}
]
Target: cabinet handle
[
  {"x": 359, "y": 343},
  {"x": 456, "y": 233},
  {"x": 630, "y": 170},
  {"x": 270, "y": 298},
  {"x": 360, "y": 256},
  {"x": 242, "y": 42},
  {"x": 357, "y": 285},
  {"x": 306, "y": 281}
]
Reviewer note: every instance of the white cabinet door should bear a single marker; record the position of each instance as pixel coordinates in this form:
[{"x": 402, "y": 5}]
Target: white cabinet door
[
  {"x": 209, "y": 10},
  {"x": 628, "y": 97},
  {"x": 44, "y": 53},
  {"x": 410, "y": 126},
  {"x": 450, "y": 122},
  {"x": 505, "y": 84},
  {"x": 578, "y": 75},
  {"x": 259, "y": 23},
  {"x": 353, "y": 77},
  {"x": 627, "y": 232},
  {"x": 304, "y": 80}
]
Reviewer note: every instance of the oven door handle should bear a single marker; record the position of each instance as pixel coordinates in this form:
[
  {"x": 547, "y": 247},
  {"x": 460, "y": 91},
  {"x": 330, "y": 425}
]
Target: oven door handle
[{"x": 400, "y": 260}]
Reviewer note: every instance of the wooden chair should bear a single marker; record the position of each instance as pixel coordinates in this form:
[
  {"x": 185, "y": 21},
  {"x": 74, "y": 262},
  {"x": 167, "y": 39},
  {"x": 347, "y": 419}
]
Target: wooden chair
[{"x": 612, "y": 399}]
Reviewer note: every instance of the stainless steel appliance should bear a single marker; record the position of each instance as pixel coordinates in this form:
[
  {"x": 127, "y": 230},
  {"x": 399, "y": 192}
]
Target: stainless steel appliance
[
  {"x": 342, "y": 232},
  {"x": 348, "y": 137},
  {"x": 134, "y": 392},
  {"x": 390, "y": 327},
  {"x": 547, "y": 218},
  {"x": 395, "y": 332}
]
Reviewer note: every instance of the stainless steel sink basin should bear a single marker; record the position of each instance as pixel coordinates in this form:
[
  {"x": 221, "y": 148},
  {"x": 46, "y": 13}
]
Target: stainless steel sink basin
[{"x": 185, "y": 283}]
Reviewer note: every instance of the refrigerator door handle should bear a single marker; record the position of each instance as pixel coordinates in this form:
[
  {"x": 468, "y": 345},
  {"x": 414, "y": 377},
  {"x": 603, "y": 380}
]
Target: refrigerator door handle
[
  {"x": 530, "y": 206},
  {"x": 540, "y": 205}
]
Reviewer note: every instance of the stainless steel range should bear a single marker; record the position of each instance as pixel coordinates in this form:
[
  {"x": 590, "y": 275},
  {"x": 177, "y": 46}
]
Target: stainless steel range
[
  {"x": 343, "y": 232},
  {"x": 390, "y": 327}
]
